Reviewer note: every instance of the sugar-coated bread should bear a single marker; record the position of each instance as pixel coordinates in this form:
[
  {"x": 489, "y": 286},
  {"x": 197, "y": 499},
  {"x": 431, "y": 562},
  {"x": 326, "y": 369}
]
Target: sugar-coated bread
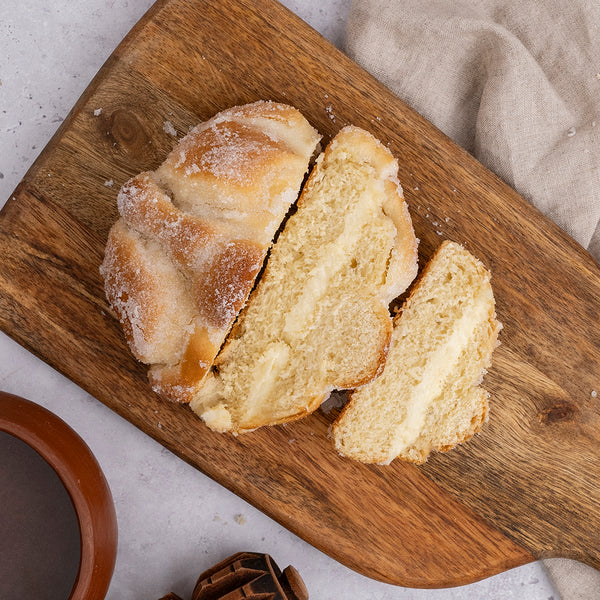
[
  {"x": 428, "y": 396},
  {"x": 193, "y": 234},
  {"x": 318, "y": 318}
]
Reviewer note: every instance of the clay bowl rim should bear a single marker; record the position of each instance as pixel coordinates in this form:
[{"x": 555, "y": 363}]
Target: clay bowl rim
[{"x": 72, "y": 460}]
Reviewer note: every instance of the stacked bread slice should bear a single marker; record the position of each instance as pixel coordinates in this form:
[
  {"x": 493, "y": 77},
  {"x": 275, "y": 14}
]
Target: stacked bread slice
[
  {"x": 319, "y": 316},
  {"x": 428, "y": 396}
]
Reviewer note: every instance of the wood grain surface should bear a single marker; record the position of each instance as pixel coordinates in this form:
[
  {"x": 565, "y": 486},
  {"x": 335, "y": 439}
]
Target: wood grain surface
[{"x": 526, "y": 487}]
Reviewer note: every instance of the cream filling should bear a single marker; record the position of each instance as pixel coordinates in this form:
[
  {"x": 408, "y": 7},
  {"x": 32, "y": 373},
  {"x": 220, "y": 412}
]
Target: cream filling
[
  {"x": 334, "y": 257},
  {"x": 440, "y": 366},
  {"x": 268, "y": 367}
]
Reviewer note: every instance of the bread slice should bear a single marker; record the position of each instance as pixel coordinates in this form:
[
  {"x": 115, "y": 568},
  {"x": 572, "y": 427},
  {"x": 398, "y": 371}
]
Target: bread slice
[
  {"x": 318, "y": 318},
  {"x": 193, "y": 234},
  {"x": 428, "y": 396}
]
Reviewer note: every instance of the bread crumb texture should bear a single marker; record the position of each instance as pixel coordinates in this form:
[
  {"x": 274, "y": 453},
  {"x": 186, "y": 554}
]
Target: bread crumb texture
[
  {"x": 182, "y": 260},
  {"x": 318, "y": 318},
  {"x": 428, "y": 396}
]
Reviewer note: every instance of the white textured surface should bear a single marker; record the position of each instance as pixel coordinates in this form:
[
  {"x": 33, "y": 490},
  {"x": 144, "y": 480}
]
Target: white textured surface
[{"x": 173, "y": 521}]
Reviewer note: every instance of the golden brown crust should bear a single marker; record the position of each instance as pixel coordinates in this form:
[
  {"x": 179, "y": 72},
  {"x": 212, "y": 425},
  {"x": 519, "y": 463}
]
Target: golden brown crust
[
  {"x": 141, "y": 286},
  {"x": 181, "y": 262}
]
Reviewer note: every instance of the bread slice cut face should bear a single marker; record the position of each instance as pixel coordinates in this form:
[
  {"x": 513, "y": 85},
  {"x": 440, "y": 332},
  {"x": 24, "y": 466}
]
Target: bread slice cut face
[
  {"x": 183, "y": 258},
  {"x": 319, "y": 318},
  {"x": 428, "y": 396}
]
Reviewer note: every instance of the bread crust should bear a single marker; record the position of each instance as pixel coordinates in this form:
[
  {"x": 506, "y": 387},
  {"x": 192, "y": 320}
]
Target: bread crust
[{"x": 207, "y": 216}]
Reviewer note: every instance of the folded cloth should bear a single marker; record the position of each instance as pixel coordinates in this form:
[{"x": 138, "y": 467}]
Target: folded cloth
[
  {"x": 514, "y": 82},
  {"x": 517, "y": 84}
]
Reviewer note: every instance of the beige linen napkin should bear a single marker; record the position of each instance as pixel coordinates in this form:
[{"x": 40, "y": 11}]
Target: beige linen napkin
[{"x": 517, "y": 84}]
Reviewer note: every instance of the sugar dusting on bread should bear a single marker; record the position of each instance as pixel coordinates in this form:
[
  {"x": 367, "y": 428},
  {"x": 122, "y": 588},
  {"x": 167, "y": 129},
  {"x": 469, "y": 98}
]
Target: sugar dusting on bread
[{"x": 193, "y": 235}]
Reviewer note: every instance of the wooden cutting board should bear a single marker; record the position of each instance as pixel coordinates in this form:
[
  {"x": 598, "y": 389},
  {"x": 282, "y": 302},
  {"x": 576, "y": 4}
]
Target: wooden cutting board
[{"x": 527, "y": 487}]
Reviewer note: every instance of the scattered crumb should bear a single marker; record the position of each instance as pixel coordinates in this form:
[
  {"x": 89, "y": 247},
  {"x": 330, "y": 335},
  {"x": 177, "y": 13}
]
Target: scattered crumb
[
  {"x": 416, "y": 188},
  {"x": 439, "y": 232},
  {"x": 168, "y": 128},
  {"x": 160, "y": 426},
  {"x": 597, "y": 75},
  {"x": 594, "y": 393},
  {"x": 434, "y": 223},
  {"x": 329, "y": 111},
  {"x": 326, "y": 95},
  {"x": 291, "y": 440},
  {"x": 240, "y": 519},
  {"x": 571, "y": 132},
  {"x": 97, "y": 112},
  {"x": 447, "y": 219},
  {"x": 109, "y": 183}
]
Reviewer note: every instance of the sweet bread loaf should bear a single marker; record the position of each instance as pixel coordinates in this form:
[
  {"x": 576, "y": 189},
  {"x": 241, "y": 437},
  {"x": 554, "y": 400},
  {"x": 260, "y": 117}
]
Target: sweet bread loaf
[
  {"x": 318, "y": 318},
  {"x": 193, "y": 234},
  {"x": 428, "y": 396}
]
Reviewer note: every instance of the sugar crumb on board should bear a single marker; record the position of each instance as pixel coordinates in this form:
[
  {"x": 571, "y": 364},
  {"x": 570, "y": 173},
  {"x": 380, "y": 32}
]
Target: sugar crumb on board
[
  {"x": 97, "y": 112},
  {"x": 169, "y": 128}
]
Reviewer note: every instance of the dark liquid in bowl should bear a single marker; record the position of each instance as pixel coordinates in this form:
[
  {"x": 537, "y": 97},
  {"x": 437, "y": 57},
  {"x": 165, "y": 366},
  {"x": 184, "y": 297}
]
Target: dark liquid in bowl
[{"x": 39, "y": 534}]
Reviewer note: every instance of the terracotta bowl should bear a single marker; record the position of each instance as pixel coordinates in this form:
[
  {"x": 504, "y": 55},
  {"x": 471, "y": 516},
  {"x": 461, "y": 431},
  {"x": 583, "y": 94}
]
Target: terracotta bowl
[{"x": 75, "y": 465}]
